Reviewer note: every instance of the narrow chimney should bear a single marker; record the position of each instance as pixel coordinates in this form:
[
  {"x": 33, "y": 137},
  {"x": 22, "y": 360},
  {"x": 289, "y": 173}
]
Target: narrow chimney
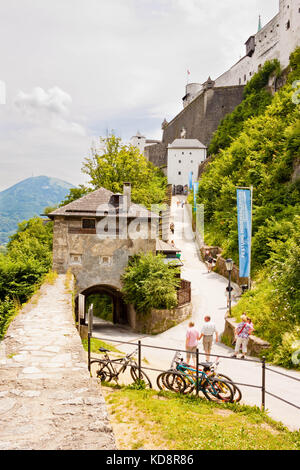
[{"x": 127, "y": 193}]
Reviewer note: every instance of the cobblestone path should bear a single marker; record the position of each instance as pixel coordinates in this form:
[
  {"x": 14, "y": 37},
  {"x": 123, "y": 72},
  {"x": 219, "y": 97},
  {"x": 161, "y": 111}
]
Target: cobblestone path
[{"x": 47, "y": 398}]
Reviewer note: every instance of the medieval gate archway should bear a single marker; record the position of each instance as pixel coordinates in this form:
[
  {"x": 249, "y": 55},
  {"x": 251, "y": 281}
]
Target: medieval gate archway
[{"x": 119, "y": 307}]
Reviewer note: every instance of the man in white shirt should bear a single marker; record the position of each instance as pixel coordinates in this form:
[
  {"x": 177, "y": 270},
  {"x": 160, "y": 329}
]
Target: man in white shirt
[{"x": 207, "y": 333}]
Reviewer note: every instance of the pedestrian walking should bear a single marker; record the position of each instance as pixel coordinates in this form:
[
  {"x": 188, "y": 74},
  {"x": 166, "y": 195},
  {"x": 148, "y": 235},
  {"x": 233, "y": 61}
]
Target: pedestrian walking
[
  {"x": 242, "y": 333},
  {"x": 172, "y": 228},
  {"x": 191, "y": 342},
  {"x": 209, "y": 262},
  {"x": 207, "y": 333}
]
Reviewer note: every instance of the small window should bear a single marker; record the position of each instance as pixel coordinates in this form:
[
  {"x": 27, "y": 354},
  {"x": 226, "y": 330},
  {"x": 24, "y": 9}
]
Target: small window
[
  {"x": 179, "y": 161},
  {"x": 105, "y": 260},
  {"x": 75, "y": 259},
  {"x": 240, "y": 81},
  {"x": 288, "y": 25},
  {"x": 88, "y": 223},
  {"x": 182, "y": 153},
  {"x": 192, "y": 161},
  {"x": 179, "y": 172}
]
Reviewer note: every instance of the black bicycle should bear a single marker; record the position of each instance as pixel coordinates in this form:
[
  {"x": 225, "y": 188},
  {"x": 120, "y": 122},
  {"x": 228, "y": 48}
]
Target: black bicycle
[{"x": 110, "y": 369}]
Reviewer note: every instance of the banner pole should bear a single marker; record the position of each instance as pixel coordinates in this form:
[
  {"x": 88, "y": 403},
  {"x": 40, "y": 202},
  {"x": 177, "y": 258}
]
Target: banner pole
[
  {"x": 241, "y": 216},
  {"x": 249, "y": 279}
]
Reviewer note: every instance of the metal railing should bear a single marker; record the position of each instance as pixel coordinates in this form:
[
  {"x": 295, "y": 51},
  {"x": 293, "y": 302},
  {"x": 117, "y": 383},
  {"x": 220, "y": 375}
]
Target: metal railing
[{"x": 262, "y": 361}]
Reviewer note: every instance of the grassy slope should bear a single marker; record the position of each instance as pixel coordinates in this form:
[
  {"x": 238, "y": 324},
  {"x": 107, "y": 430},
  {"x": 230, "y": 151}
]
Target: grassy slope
[{"x": 161, "y": 420}]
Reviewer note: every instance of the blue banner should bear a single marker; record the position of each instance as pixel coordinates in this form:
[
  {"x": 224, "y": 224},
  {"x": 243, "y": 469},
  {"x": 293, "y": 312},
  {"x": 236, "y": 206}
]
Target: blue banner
[
  {"x": 244, "y": 209},
  {"x": 191, "y": 180},
  {"x": 195, "y": 188}
]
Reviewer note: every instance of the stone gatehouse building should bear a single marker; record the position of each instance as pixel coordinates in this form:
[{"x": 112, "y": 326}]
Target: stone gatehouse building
[{"x": 96, "y": 235}]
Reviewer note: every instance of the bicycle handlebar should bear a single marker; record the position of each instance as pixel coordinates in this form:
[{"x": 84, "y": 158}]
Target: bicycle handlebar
[{"x": 128, "y": 356}]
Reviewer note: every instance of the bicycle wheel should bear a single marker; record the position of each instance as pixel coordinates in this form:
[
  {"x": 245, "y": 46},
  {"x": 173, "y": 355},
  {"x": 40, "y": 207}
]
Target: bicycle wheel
[
  {"x": 176, "y": 382},
  {"x": 140, "y": 376},
  {"x": 189, "y": 384},
  {"x": 103, "y": 372},
  {"x": 217, "y": 390},
  {"x": 237, "y": 394},
  {"x": 161, "y": 381}
]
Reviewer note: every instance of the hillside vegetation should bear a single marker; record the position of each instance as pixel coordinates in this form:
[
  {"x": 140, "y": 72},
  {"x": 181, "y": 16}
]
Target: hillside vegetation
[
  {"x": 262, "y": 151},
  {"x": 23, "y": 267}
]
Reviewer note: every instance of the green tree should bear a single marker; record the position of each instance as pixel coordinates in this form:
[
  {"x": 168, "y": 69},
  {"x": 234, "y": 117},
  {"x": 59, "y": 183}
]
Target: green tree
[
  {"x": 75, "y": 193},
  {"x": 150, "y": 283},
  {"x": 117, "y": 163}
]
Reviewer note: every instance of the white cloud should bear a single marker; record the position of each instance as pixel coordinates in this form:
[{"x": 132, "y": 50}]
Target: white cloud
[
  {"x": 50, "y": 107},
  {"x": 99, "y": 64}
]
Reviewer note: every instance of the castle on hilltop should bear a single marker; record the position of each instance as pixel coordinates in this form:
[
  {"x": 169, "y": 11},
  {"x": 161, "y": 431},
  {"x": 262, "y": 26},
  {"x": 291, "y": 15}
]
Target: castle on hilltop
[{"x": 206, "y": 104}]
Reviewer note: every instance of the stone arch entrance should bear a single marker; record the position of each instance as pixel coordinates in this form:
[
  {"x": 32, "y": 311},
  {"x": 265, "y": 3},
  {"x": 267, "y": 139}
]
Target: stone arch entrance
[{"x": 119, "y": 307}]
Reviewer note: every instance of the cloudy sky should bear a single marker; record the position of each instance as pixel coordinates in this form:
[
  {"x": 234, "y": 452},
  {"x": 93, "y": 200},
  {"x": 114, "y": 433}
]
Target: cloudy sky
[{"x": 71, "y": 70}]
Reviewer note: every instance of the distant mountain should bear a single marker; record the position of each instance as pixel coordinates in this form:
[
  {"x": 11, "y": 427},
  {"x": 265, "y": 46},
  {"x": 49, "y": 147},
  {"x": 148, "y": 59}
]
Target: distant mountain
[{"x": 27, "y": 199}]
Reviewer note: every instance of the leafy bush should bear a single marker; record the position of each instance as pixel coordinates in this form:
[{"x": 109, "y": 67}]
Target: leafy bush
[
  {"x": 102, "y": 306},
  {"x": 262, "y": 155},
  {"x": 150, "y": 283},
  {"x": 256, "y": 99},
  {"x": 27, "y": 260},
  {"x": 7, "y": 311}
]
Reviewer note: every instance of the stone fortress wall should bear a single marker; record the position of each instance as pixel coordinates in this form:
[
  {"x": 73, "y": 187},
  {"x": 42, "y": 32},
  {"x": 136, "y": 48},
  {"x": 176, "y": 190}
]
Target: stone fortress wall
[
  {"x": 200, "y": 118},
  {"x": 276, "y": 40},
  {"x": 205, "y": 105}
]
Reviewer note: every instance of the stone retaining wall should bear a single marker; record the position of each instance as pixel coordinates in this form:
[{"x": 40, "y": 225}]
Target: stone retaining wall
[{"x": 158, "y": 321}]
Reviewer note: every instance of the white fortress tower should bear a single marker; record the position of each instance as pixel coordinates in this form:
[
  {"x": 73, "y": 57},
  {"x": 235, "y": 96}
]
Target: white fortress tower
[
  {"x": 276, "y": 40},
  {"x": 184, "y": 157},
  {"x": 138, "y": 141}
]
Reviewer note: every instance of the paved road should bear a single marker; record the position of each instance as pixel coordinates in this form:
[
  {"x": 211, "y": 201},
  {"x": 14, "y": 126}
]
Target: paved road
[{"x": 208, "y": 297}]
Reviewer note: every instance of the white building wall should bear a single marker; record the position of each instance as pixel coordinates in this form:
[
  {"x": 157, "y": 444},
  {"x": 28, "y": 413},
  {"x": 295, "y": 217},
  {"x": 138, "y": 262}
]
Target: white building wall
[
  {"x": 181, "y": 162},
  {"x": 138, "y": 142},
  {"x": 273, "y": 41},
  {"x": 192, "y": 91},
  {"x": 289, "y": 38}
]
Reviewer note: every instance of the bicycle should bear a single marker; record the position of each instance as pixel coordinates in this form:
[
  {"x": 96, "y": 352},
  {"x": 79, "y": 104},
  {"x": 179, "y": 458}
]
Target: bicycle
[
  {"x": 210, "y": 368},
  {"x": 108, "y": 369},
  {"x": 183, "y": 379},
  {"x": 213, "y": 388}
]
